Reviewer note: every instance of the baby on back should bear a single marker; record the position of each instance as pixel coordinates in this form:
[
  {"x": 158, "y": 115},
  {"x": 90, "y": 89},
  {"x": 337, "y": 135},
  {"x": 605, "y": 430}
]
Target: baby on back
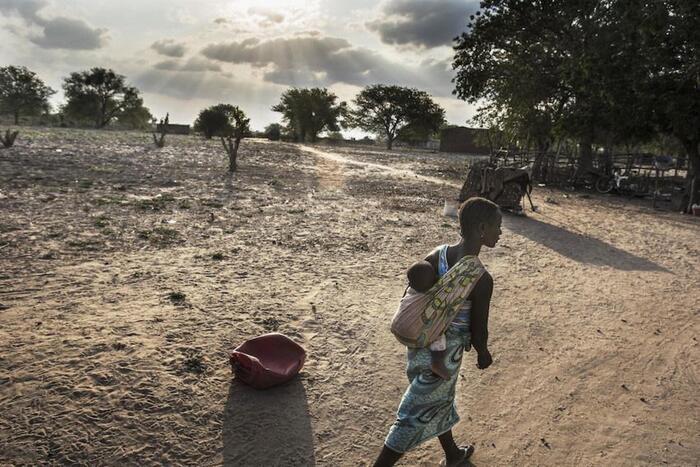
[{"x": 421, "y": 277}]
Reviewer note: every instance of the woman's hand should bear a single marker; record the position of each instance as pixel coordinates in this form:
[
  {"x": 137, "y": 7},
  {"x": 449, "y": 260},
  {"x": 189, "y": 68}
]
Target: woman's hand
[{"x": 484, "y": 360}]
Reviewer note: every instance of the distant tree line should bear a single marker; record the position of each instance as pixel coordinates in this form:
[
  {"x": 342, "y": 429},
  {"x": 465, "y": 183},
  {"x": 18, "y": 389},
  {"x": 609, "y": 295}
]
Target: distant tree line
[
  {"x": 388, "y": 111},
  {"x": 603, "y": 74},
  {"x": 95, "y": 97}
]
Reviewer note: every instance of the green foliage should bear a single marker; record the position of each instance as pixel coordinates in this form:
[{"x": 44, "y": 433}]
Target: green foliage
[
  {"x": 22, "y": 92},
  {"x": 227, "y": 122},
  {"x": 100, "y": 95},
  {"x": 614, "y": 72},
  {"x": 273, "y": 132},
  {"x": 211, "y": 121},
  {"x": 390, "y": 111},
  {"x": 135, "y": 115},
  {"x": 307, "y": 112},
  {"x": 589, "y": 70}
]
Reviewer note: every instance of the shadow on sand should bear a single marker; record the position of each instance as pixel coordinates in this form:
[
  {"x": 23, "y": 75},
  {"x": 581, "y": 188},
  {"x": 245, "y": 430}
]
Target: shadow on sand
[
  {"x": 578, "y": 247},
  {"x": 267, "y": 427}
]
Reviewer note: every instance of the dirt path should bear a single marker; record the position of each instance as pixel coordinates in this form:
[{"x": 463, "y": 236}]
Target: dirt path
[
  {"x": 383, "y": 169},
  {"x": 114, "y": 325}
]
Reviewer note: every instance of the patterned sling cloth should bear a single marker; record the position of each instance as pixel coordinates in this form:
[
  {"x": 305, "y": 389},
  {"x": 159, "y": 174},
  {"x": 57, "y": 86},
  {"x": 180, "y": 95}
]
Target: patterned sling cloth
[{"x": 422, "y": 318}]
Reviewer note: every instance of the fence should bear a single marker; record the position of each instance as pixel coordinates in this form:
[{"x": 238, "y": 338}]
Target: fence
[{"x": 651, "y": 174}]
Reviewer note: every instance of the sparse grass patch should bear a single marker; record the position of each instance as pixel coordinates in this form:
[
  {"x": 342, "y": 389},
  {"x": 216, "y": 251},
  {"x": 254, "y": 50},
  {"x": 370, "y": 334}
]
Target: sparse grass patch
[
  {"x": 157, "y": 203},
  {"x": 160, "y": 236},
  {"x": 194, "y": 362},
  {"x": 212, "y": 203},
  {"x": 101, "y": 221},
  {"x": 85, "y": 184},
  {"x": 86, "y": 244},
  {"x": 106, "y": 200},
  {"x": 177, "y": 298}
]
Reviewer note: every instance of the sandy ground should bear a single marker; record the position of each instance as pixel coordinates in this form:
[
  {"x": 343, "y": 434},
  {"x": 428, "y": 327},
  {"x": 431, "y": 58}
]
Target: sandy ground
[{"x": 127, "y": 273}]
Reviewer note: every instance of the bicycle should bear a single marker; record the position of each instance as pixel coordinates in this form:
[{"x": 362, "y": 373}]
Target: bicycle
[{"x": 621, "y": 184}]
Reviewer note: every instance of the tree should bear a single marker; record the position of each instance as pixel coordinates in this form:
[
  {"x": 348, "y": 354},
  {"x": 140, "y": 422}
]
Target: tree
[
  {"x": 389, "y": 111},
  {"x": 100, "y": 95},
  {"x": 671, "y": 46},
  {"x": 307, "y": 112},
  {"x": 273, "y": 131},
  {"x": 22, "y": 92},
  {"x": 555, "y": 68},
  {"x": 227, "y": 122},
  {"x": 211, "y": 121},
  {"x": 135, "y": 115}
]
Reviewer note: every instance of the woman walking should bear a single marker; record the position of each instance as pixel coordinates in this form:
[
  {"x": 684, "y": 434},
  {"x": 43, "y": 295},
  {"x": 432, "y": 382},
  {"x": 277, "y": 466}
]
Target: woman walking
[{"x": 427, "y": 409}]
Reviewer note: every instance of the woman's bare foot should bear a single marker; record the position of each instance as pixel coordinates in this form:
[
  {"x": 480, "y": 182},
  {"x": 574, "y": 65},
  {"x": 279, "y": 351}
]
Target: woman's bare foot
[{"x": 438, "y": 367}]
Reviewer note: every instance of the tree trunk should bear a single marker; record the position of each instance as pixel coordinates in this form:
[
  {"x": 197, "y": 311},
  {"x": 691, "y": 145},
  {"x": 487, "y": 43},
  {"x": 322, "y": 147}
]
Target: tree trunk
[
  {"x": 585, "y": 155},
  {"x": 231, "y": 147},
  {"x": 16, "y": 117},
  {"x": 389, "y": 141},
  {"x": 233, "y": 155},
  {"x": 693, "y": 176}
]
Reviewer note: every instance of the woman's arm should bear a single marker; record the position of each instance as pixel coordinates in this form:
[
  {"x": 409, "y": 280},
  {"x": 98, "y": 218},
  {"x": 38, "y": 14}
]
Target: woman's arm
[
  {"x": 434, "y": 258},
  {"x": 481, "y": 300}
]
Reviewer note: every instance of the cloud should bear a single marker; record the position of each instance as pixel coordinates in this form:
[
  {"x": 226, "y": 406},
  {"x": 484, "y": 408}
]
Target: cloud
[
  {"x": 268, "y": 14},
  {"x": 325, "y": 61},
  {"x": 169, "y": 48},
  {"x": 306, "y": 60},
  {"x": 194, "y": 64},
  {"x": 188, "y": 86},
  {"x": 56, "y": 33},
  {"x": 422, "y": 23},
  {"x": 221, "y": 21}
]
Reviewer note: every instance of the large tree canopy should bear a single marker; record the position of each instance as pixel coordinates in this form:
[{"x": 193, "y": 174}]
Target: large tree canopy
[
  {"x": 22, "y": 92},
  {"x": 598, "y": 72},
  {"x": 390, "y": 110},
  {"x": 307, "y": 112},
  {"x": 100, "y": 95}
]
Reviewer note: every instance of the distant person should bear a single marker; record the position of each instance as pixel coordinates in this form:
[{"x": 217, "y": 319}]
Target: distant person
[{"x": 427, "y": 408}]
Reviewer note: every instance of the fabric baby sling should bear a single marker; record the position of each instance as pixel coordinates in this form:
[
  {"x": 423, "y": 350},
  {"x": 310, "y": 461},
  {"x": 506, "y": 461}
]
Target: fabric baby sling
[{"x": 421, "y": 321}]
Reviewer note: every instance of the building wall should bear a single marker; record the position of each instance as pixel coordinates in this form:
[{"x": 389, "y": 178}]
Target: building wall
[
  {"x": 175, "y": 129},
  {"x": 462, "y": 139}
]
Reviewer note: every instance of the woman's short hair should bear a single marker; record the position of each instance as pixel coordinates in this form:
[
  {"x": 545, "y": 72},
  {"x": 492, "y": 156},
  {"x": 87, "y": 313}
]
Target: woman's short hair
[{"x": 476, "y": 210}]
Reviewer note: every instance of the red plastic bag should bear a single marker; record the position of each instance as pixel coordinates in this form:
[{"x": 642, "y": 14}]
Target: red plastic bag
[{"x": 268, "y": 360}]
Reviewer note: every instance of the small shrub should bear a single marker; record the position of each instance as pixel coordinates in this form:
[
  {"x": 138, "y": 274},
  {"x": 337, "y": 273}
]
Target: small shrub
[
  {"x": 162, "y": 130},
  {"x": 9, "y": 139},
  {"x": 177, "y": 298}
]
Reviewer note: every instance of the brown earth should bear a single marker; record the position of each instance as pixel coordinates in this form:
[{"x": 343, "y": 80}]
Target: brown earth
[{"x": 128, "y": 272}]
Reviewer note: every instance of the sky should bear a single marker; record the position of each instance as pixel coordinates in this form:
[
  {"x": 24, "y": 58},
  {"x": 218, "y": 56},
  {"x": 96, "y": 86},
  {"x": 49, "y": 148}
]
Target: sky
[{"x": 186, "y": 55}]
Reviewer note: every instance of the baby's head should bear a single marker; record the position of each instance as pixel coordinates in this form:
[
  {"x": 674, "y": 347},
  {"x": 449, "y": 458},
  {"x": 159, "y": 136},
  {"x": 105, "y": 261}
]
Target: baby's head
[{"x": 421, "y": 276}]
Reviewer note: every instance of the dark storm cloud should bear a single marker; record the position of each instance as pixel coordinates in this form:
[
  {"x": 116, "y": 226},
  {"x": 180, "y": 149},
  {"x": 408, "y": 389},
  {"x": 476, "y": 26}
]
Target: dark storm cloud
[
  {"x": 422, "y": 23},
  {"x": 56, "y": 33},
  {"x": 307, "y": 60},
  {"x": 169, "y": 48}
]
